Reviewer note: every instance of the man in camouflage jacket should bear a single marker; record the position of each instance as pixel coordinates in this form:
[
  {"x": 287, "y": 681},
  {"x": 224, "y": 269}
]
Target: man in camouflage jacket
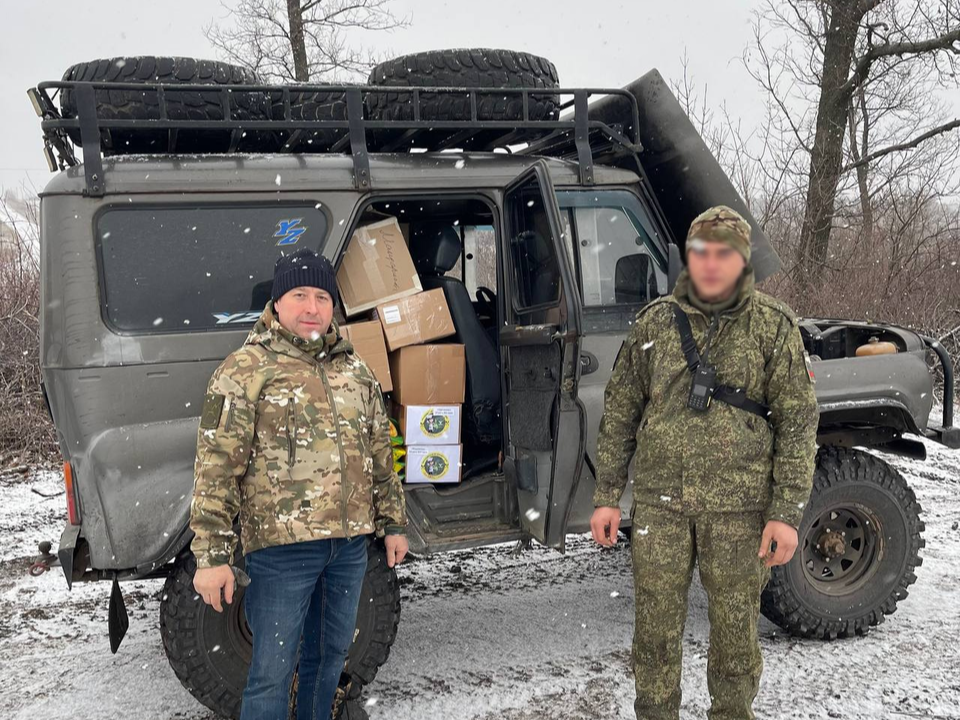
[
  {"x": 294, "y": 439},
  {"x": 716, "y": 486}
]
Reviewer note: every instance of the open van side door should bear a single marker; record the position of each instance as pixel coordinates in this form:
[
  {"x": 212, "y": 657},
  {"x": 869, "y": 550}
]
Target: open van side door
[{"x": 545, "y": 423}]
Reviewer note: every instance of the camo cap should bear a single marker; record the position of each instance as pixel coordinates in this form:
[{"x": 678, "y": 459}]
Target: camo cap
[{"x": 722, "y": 224}]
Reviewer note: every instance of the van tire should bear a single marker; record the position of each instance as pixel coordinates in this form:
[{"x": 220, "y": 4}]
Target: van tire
[
  {"x": 309, "y": 106},
  {"x": 144, "y": 105},
  {"x": 473, "y": 67},
  {"x": 877, "y": 511},
  {"x": 210, "y": 652}
]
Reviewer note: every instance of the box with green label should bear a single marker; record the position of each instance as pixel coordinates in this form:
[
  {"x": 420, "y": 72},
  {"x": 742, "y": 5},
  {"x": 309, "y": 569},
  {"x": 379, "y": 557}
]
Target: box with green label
[
  {"x": 430, "y": 424},
  {"x": 433, "y": 463}
]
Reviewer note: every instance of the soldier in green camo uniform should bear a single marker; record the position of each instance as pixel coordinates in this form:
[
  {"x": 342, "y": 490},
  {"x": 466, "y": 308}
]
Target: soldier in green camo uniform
[
  {"x": 716, "y": 486},
  {"x": 294, "y": 439}
]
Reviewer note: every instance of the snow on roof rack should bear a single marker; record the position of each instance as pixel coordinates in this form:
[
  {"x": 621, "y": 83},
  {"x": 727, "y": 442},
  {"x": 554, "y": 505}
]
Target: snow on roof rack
[{"x": 215, "y": 119}]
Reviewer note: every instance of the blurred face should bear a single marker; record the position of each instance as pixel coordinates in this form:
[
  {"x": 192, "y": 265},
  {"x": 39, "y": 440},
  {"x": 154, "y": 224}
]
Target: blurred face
[
  {"x": 714, "y": 269},
  {"x": 305, "y": 311}
]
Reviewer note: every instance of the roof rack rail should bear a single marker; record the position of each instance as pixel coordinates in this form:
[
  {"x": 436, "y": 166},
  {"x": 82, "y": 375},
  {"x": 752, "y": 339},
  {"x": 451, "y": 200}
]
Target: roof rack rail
[{"x": 568, "y": 132}]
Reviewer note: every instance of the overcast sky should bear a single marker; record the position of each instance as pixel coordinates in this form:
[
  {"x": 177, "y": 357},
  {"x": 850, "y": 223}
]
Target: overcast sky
[{"x": 598, "y": 43}]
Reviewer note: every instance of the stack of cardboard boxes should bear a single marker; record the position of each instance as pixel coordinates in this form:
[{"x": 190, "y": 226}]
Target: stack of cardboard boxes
[{"x": 394, "y": 326}]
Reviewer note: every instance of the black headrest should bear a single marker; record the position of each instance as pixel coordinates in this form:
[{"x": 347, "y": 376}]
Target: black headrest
[{"x": 435, "y": 248}]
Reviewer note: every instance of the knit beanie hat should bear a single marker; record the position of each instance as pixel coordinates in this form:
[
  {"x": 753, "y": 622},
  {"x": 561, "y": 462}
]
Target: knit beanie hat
[
  {"x": 304, "y": 268},
  {"x": 722, "y": 224}
]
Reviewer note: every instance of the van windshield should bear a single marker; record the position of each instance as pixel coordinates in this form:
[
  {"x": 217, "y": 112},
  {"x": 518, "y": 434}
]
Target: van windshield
[{"x": 177, "y": 269}]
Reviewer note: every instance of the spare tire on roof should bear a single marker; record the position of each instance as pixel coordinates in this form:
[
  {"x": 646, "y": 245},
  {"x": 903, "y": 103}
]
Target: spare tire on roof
[
  {"x": 472, "y": 67},
  {"x": 130, "y": 104},
  {"x": 310, "y": 106}
]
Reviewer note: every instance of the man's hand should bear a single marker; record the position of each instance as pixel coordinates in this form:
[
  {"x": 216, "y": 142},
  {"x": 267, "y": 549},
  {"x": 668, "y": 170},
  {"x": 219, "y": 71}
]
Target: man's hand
[
  {"x": 397, "y": 547},
  {"x": 785, "y": 536},
  {"x": 605, "y": 524},
  {"x": 210, "y": 581}
]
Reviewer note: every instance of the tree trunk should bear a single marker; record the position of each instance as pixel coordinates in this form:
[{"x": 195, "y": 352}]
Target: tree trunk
[
  {"x": 856, "y": 153},
  {"x": 826, "y": 157},
  {"x": 297, "y": 44}
]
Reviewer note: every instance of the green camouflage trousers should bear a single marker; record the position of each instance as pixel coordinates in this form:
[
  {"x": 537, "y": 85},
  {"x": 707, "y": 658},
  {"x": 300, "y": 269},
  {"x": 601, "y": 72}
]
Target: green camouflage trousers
[{"x": 664, "y": 547}]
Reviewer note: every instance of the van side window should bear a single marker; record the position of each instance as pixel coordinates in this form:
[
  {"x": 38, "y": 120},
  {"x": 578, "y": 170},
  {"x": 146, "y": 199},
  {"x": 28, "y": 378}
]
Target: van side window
[
  {"x": 177, "y": 268},
  {"x": 536, "y": 271},
  {"x": 618, "y": 260},
  {"x": 480, "y": 252}
]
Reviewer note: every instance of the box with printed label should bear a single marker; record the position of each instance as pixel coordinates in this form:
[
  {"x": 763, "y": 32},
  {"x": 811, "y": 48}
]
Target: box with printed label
[
  {"x": 367, "y": 339},
  {"x": 430, "y": 424},
  {"x": 428, "y": 374},
  {"x": 376, "y": 268},
  {"x": 433, "y": 463},
  {"x": 415, "y": 319}
]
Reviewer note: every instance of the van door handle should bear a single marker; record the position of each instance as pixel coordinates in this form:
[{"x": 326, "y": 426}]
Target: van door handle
[{"x": 588, "y": 362}]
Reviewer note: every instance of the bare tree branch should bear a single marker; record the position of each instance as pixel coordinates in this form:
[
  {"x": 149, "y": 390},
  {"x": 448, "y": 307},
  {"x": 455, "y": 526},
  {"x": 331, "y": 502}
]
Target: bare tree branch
[
  {"x": 946, "y": 41},
  {"x": 909, "y": 145},
  {"x": 301, "y": 40}
]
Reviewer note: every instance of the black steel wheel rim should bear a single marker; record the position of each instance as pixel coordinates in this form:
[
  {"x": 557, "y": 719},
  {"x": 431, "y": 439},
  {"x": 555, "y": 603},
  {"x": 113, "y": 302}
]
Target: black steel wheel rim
[{"x": 842, "y": 549}]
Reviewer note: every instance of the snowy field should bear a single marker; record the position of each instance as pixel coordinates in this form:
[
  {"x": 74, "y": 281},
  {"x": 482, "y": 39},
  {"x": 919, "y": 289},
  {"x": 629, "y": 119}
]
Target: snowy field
[{"x": 488, "y": 634}]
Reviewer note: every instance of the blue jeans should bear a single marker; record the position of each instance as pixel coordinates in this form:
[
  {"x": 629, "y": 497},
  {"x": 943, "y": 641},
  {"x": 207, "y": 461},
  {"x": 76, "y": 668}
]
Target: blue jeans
[{"x": 309, "y": 588}]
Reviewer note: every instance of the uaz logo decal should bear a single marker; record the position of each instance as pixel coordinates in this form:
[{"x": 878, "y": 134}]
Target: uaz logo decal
[{"x": 289, "y": 231}]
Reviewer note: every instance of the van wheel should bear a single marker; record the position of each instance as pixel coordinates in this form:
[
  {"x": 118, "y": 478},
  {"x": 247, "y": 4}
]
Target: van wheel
[
  {"x": 144, "y": 105},
  {"x": 475, "y": 67},
  {"x": 860, "y": 540},
  {"x": 210, "y": 652}
]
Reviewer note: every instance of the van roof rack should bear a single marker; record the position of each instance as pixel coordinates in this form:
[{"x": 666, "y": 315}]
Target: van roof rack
[{"x": 568, "y": 134}]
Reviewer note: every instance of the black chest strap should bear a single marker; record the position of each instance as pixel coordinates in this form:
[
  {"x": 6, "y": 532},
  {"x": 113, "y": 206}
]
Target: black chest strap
[{"x": 724, "y": 393}]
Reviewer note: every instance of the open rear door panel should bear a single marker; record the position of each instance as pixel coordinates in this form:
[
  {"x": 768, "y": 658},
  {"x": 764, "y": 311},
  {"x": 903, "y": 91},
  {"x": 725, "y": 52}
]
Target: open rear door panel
[{"x": 540, "y": 342}]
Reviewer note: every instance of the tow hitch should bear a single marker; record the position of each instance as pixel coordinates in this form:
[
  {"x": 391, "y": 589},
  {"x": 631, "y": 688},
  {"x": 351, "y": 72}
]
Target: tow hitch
[{"x": 45, "y": 561}]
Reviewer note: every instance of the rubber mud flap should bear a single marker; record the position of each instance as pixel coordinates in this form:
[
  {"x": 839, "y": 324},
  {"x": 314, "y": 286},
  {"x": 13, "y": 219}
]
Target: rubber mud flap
[{"x": 117, "y": 620}]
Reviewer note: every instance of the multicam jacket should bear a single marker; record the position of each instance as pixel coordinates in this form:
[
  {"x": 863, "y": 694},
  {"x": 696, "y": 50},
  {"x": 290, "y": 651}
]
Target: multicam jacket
[
  {"x": 295, "y": 441},
  {"x": 724, "y": 459}
]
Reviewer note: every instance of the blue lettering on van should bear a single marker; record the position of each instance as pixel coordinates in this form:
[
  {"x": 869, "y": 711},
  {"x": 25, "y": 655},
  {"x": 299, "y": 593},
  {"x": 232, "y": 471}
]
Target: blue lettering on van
[
  {"x": 226, "y": 318},
  {"x": 289, "y": 231}
]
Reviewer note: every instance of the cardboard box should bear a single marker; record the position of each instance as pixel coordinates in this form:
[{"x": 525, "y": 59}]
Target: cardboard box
[
  {"x": 415, "y": 319},
  {"x": 433, "y": 463},
  {"x": 430, "y": 424},
  {"x": 376, "y": 268},
  {"x": 367, "y": 339},
  {"x": 428, "y": 374}
]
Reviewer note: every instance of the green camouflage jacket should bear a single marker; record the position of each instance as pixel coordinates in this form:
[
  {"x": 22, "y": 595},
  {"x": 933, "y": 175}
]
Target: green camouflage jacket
[
  {"x": 724, "y": 459},
  {"x": 295, "y": 442}
]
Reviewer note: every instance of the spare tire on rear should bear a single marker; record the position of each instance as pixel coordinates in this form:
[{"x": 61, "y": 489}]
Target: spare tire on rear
[
  {"x": 475, "y": 67},
  {"x": 130, "y": 104}
]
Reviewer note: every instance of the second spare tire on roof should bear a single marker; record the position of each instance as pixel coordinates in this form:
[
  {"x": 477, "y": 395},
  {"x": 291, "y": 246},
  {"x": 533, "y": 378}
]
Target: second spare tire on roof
[
  {"x": 473, "y": 67},
  {"x": 134, "y": 104}
]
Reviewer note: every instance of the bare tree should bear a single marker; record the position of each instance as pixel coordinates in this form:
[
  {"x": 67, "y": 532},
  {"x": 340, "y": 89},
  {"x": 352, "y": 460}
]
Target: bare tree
[
  {"x": 762, "y": 163},
  {"x": 300, "y": 40},
  {"x": 851, "y": 82},
  {"x": 26, "y": 432}
]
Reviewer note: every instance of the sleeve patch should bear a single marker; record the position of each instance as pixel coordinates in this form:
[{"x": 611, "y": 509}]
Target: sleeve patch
[
  {"x": 809, "y": 366},
  {"x": 212, "y": 407}
]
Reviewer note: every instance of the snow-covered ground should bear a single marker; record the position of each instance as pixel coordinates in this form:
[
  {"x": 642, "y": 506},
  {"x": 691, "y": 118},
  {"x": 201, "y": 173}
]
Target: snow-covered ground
[{"x": 489, "y": 634}]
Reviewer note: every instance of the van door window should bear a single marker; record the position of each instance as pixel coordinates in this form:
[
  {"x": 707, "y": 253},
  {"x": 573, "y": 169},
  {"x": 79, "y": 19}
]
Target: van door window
[
  {"x": 618, "y": 260},
  {"x": 536, "y": 271},
  {"x": 178, "y": 269}
]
